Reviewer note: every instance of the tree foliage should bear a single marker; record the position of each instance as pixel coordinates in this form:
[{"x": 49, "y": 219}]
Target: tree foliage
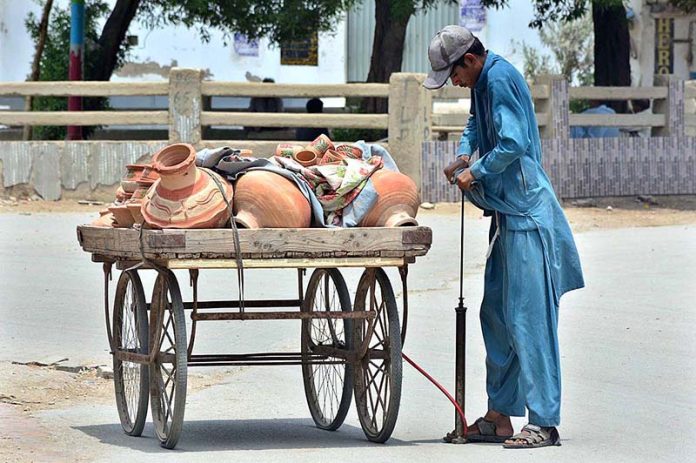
[
  {"x": 278, "y": 21},
  {"x": 549, "y": 11},
  {"x": 55, "y": 59}
]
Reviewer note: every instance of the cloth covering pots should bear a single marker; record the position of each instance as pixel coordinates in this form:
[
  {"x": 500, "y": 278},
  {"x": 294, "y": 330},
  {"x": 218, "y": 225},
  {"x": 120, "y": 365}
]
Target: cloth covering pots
[
  {"x": 398, "y": 201},
  {"x": 185, "y": 196},
  {"x": 263, "y": 199}
]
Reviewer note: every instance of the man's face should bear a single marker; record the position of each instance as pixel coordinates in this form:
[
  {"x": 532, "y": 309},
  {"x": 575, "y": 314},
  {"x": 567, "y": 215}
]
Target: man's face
[{"x": 466, "y": 76}]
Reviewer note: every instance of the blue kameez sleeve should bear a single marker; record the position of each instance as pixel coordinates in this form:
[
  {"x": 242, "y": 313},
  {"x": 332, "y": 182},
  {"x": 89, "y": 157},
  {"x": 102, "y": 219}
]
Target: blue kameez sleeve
[
  {"x": 468, "y": 143},
  {"x": 511, "y": 128}
]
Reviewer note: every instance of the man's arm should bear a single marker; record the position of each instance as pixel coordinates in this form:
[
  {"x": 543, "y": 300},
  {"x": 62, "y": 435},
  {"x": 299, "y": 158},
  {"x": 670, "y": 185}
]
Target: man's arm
[
  {"x": 468, "y": 143},
  {"x": 511, "y": 127}
]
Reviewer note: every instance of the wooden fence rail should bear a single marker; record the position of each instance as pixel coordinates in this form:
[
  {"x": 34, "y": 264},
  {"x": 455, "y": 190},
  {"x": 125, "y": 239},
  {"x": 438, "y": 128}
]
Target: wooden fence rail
[{"x": 415, "y": 114}]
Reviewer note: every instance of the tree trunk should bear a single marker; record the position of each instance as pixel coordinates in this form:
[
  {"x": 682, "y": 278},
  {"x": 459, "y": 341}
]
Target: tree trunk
[
  {"x": 612, "y": 48},
  {"x": 387, "y": 49},
  {"x": 36, "y": 64},
  {"x": 112, "y": 36}
]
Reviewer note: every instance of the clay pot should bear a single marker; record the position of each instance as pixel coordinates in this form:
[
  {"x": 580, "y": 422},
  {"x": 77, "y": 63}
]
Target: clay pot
[
  {"x": 137, "y": 173},
  {"x": 106, "y": 219},
  {"x": 288, "y": 150},
  {"x": 322, "y": 144},
  {"x": 122, "y": 216},
  {"x": 122, "y": 196},
  {"x": 185, "y": 196},
  {"x": 331, "y": 156},
  {"x": 134, "y": 204},
  {"x": 306, "y": 157},
  {"x": 398, "y": 201},
  {"x": 264, "y": 199},
  {"x": 350, "y": 151}
]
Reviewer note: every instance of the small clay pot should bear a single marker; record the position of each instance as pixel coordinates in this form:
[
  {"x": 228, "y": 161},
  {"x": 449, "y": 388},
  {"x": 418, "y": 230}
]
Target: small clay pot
[
  {"x": 123, "y": 217},
  {"x": 321, "y": 145},
  {"x": 288, "y": 150},
  {"x": 105, "y": 220},
  {"x": 121, "y": 195},
  {"x": 332, "y": 156},
  {"x": 138, "y": 173},
  {"x": 307, "y": 157},
  {"x": 350, "y": 151}
]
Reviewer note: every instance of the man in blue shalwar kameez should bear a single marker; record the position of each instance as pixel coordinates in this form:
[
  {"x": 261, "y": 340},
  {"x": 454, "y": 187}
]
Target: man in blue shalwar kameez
[{"x": 532, "y": 259}]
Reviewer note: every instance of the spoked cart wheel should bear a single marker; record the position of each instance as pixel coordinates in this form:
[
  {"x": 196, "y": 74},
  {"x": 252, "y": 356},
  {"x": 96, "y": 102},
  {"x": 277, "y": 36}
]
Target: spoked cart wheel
[
  {"x": 130, "y": 336},
  {"x": 378, "y": 369},
  {"x": 168, "y": 371},
  {"x": 328, "y": 380}
]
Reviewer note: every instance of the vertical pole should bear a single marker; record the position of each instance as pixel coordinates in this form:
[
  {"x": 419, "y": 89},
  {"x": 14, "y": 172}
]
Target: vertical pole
[
  {"x": 555, "y": 106},
  {"x": 672, "y": 106},
  {"x": 76, "y": 66},
  {"x": 460, "y": 346}
]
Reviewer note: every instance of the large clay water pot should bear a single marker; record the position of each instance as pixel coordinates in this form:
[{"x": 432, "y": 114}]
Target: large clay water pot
[
  {"x": 398, "y": 201},
  {"x": 265, "y": 199},
  {"x": 185, "y": 196}
]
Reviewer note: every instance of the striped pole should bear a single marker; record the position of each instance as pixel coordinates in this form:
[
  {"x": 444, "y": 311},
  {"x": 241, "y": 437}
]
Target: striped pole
[{"x": 76, "y": 66}]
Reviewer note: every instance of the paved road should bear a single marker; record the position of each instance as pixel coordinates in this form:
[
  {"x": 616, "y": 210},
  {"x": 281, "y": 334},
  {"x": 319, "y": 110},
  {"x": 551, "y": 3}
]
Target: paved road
[{"x": 626, "y": 340}]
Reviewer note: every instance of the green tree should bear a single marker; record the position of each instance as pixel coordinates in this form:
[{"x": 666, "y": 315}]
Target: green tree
[
  {"x": 571, "y": 45},
  {"x": 54, "y": 60}
]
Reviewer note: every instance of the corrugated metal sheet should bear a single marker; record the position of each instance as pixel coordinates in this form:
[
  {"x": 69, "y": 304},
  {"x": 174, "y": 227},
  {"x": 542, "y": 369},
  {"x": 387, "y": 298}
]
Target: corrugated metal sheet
[{"x": 421, "y": 28}]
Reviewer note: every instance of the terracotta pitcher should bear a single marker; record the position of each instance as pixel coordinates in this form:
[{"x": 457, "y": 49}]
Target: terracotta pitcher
[
  {"x": 264, "y": 199},
  {"x": 398, "y": 201},
  {"x": 185, "y": 196}
]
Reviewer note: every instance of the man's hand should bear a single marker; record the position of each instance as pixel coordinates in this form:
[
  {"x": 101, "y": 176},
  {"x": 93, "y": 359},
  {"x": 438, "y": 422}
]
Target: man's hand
[
  {"x": 458, "y": 164},
  {"x": 465, "y": 180}
]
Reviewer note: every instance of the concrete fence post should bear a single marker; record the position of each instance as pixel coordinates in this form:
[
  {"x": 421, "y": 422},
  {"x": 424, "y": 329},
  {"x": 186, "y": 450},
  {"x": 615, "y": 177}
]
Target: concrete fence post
[
  {"x": 410, "y": 114},
  {"x": 672, "y": 107},
  {"x": 185, "y": 105},
  {"x": 556, "y": 107}
]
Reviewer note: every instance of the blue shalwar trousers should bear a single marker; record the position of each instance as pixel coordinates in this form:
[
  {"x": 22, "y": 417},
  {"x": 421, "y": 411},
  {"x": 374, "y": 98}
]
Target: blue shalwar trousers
[{"x": 519, "y": 320}]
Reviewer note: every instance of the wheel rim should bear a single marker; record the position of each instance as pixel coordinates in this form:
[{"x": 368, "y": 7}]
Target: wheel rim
[
  {"x": 327, "y": 385},
  {"x": 168, "y": 374},
  {"x": 130, "y": 335},
  {"x": 378, "y": 376}
]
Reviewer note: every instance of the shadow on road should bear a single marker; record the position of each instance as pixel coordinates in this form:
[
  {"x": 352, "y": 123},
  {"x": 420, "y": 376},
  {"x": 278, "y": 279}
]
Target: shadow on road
[{"x": 219, "y": 435}]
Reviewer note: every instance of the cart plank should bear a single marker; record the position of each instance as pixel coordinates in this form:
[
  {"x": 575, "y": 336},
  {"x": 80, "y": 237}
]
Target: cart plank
[{"x": 266, "y": 243}]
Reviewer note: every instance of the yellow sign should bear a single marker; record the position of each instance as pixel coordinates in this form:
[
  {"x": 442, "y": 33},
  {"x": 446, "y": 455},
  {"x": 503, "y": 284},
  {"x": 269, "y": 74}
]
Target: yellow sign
[
  {"x": 300, "y": 52},
  {"x": 664, "y": 53}
]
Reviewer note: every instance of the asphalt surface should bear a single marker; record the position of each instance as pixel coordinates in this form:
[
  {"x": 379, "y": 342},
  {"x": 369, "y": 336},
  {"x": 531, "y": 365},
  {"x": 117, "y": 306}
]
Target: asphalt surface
[{"x": 627, "y": 345}]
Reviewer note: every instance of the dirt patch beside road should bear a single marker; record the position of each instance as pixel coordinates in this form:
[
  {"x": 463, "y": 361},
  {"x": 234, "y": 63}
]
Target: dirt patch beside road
[
  {"x": 31, "y": 388},
  {"x": 608, "y": 212}
]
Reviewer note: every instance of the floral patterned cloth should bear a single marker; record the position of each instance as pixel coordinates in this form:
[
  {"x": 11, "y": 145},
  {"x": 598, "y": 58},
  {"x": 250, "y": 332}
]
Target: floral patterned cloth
[{"x": 335, "y": 184}]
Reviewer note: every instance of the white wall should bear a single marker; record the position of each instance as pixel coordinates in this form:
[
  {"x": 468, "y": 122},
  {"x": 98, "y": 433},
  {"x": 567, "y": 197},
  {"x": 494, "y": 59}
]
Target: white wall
[
  {"x": 159, "y": 49},
  {"x": 16, "y": 46}
]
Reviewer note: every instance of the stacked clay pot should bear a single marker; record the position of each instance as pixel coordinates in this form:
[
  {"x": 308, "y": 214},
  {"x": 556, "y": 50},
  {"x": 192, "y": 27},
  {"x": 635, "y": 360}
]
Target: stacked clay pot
[
  {"x": 185, "y": 196},
  {"x": 398, "y": 201},
  {"x": 312, "y": 153},
  {"x": 264, "y": 199}
]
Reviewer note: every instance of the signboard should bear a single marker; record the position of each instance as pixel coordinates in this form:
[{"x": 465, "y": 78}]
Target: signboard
[
  {"x": 245, "y": 47},
  {"x": 664, "y": 50},
  {"x": 300, "y": 52},
  {"x": 472, "y": 15}
]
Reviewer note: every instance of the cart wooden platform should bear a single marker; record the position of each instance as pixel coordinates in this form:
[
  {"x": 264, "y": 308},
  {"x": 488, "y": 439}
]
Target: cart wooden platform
[{"x": 348, "y": 347}]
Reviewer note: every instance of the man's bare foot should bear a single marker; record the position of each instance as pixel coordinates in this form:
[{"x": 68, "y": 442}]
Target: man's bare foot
[{"x": 503, "y": 425}]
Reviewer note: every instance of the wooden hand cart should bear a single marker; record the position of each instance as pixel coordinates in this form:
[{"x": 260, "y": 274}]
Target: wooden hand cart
[{"x": 347, "y": 347}]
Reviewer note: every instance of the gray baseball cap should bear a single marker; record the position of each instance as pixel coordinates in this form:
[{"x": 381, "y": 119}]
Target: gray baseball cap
[{"x": 446, "y": 47}]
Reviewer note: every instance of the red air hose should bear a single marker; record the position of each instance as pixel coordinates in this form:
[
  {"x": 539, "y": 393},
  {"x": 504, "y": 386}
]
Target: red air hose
[{"x": 440, "y": 387}]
